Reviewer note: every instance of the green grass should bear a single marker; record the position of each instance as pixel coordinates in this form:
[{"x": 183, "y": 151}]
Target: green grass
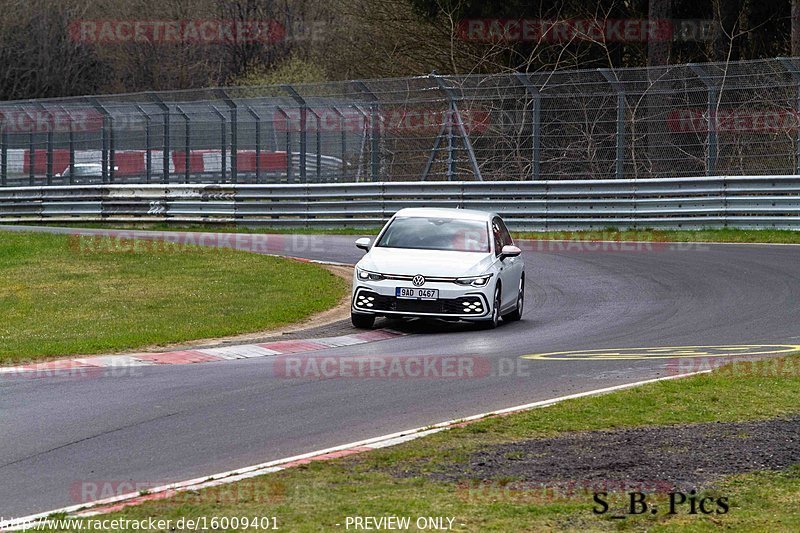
[
  {"x": 321, "y": 495},
  {"x": 64, "y": 295},
  {"x": 710, "y": 235}
]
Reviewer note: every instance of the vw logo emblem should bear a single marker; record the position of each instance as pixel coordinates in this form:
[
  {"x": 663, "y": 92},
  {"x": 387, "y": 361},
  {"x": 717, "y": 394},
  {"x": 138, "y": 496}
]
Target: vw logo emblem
[{"x": 418, "y": 280}]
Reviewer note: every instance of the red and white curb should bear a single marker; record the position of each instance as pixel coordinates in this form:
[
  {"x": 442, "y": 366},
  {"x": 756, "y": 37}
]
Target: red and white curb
[
  {"x": 200, "y": 355},
  {"x": 116, "y": 503}
]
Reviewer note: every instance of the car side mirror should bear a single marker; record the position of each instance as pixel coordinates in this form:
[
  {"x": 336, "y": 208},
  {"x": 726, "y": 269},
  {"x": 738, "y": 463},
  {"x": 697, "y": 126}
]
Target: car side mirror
[
  {"x": 363, "y": 243},
  {"x": 509, "y": 251}
]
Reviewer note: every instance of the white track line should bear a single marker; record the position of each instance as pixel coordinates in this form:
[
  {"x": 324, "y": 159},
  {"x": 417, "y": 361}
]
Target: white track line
[{"x": 384, "y": 441}]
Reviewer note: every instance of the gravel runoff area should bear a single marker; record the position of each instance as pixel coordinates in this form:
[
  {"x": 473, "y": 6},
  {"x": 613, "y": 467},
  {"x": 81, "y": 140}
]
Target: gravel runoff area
[{"x": 683, "y": 457}]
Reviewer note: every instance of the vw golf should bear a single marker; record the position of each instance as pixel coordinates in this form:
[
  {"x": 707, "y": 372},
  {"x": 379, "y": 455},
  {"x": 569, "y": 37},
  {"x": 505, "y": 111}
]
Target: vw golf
[{"x": 451, "y": 264}]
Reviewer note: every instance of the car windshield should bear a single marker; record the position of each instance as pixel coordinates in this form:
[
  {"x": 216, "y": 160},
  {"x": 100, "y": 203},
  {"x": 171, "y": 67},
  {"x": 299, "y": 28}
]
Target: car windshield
[{"x": 423, "y": 233}]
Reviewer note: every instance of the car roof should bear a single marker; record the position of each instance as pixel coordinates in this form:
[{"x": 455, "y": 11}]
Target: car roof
[{"x": 462, "y": 214}]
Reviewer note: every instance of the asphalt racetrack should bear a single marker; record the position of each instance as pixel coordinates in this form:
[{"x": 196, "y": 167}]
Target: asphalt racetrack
[{"x": 171, "y": 423}]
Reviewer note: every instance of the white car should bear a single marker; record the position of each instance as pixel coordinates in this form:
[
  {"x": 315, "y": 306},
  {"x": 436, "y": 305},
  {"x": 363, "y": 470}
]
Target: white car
[
  {"x": 451, "y": 264},
  {"x": 85, "y": 173}
]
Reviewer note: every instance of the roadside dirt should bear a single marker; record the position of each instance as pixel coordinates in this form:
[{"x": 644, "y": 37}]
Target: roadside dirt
[{"x": 684, "y": 457}]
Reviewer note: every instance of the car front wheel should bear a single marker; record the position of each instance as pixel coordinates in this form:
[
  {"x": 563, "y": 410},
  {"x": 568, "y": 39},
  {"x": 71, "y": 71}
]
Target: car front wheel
[
  {"x": 495, "y": 320},
  {"x": 362, "y": 321},
  {"x": 516, "y": 314}
]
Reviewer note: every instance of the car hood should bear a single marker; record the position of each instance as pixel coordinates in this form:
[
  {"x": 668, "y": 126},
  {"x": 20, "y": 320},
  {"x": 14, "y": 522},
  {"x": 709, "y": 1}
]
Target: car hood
[{"x": 438, "y": 263}]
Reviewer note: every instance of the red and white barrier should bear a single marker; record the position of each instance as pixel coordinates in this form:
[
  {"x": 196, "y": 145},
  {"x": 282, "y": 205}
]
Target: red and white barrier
[{"x": 133, "y": 162}]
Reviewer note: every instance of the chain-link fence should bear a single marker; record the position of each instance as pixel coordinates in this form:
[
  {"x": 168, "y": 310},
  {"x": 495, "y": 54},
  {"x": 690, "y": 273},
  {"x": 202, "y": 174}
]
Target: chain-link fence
[{"x": 737, "y": 118}]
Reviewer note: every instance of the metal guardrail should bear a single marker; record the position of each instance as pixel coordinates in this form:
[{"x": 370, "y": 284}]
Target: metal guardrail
[{"x": 690, "y": 203}]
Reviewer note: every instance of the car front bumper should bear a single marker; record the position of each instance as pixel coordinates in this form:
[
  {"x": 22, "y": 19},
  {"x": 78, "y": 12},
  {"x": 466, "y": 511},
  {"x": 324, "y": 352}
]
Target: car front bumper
[{"x": 462, "y": 302}]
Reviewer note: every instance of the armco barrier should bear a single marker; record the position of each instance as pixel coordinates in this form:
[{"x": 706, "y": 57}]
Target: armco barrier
[{"x": 691, "y": 203}]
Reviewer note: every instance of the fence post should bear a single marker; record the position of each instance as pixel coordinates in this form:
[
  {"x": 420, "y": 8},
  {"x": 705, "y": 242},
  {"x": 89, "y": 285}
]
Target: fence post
[
  {"x": 104, "y": 140},
  {"x": 342, "y": 141},
  {"x": 234, "y": 134},
  {"x": 3, "y": 153},
  {"x": 112, "y": 151},
  {"x": 49, "y": 152},
  {"x": 303, "y": 129},
  {"x": 536, "y": 123},
  {"x": 257, "y": 118},
  {"x": 432, "y": 156},
  {"x": 272, "y": 140},
  {"x": 375, "y": 129},
  {"x": 795, "y": 73},
  {"x": 223, "y": 139},
  {"x": 620, "y": 135},
  {"x": 289, "y": 170},
  {"x": 187, "y": 143},
  {"x": 71, "y": 144},
  {"x": 32, "y": 158},
  {"x": 452, "y": 166},
  {"x": 711, "y": 134},
  {"x": 455, "y": 114},
  {"x": 448, "y": 123},
  {"x": 49, "y": 170},
  {"x": 71, "y": 152},
  {"x": 31, "y": 150},
  {"x": 165, "y": 109},
  {"x": 362, "y": 143},
  {"x": 318, "y": 157},
  {"x": 148, "y": 158}
]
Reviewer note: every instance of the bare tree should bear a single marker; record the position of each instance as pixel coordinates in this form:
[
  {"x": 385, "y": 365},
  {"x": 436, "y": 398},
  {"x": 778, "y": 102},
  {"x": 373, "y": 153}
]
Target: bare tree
[
  {"x": 795, "y": 45},
  {"x": 38, "y": 57},
  {"x": 658, "y": 50}
]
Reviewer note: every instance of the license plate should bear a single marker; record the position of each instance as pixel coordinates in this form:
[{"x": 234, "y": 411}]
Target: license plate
[{"x": 417, "y": 294}]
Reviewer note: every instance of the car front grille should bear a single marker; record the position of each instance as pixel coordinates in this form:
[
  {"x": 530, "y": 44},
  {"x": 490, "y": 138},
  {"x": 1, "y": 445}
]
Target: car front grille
[{"x": 463, "y": 305}]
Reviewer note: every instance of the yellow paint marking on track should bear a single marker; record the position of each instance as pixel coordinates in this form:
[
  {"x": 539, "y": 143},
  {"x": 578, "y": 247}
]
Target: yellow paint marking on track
[{"x": 667, "y": 352}]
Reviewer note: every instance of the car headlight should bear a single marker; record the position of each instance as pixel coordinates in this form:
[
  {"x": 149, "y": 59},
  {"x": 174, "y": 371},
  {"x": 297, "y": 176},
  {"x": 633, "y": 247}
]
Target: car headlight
[
  {"x": 475, "y": 281},
  {"x": 367, "y": 275}
]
